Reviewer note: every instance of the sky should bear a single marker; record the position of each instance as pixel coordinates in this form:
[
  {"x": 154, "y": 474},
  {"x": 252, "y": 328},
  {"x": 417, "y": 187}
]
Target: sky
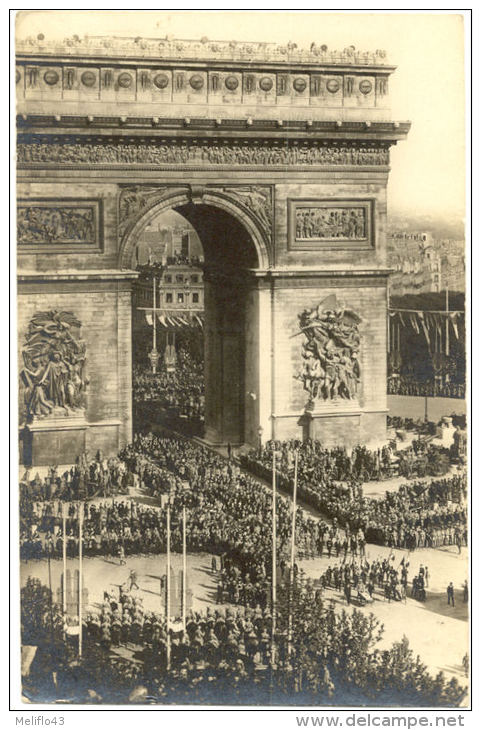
[{"x": 428, "y": 87}]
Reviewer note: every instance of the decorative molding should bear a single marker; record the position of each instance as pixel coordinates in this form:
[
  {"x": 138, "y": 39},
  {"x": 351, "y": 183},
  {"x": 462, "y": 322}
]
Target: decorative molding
[
  {"x": 59, "y": 225},
  {"x": 133, "y": 199},
  {"x": 331, "y": 223},
  {"x": 258, "y": 199},
  {"x": 186, "y": 152},
  {"x": 253, "y": 205}
]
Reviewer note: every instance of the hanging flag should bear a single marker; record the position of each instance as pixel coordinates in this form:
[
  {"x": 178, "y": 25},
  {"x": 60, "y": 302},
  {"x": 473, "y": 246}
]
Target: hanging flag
[
  {"x": 414, "y": 323},
  {"x": 148, "y": 317},
  {"x": 453, "y": 317},
  {"x": 425, "y": 329},
  {"x": 161, "y": 319}
]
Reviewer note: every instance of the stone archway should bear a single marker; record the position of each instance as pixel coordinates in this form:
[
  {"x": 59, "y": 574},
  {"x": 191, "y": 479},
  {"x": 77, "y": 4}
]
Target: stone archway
[
  {"x": 233, "y": 225},
  {"x": 146, "y": 202}
]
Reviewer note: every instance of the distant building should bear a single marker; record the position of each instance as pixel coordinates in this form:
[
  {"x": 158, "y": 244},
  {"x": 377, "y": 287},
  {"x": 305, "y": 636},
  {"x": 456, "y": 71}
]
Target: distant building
[
  {"x": 179, "y": 290},
  {"x": 168, "y": 244},
  {"x": 416, "y": 262}
]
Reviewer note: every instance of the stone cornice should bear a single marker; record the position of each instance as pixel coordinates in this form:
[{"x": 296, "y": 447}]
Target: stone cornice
[
  {"x": 77, "y": 275},
  {"x": 192, "y": 127},
  {"x": 307, "y": 273},
  {"x": 287, "y": 277}
]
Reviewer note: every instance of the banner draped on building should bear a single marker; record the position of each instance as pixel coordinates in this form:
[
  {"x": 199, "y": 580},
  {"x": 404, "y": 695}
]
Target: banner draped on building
[{"x": 173, "y": 319}]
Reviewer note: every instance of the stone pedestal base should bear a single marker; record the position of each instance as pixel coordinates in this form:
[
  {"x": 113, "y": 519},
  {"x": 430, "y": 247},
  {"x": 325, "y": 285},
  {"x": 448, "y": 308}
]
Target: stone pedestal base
[
  {"x": 347, "y": 425},
  {"x": 54, "y": 441}
]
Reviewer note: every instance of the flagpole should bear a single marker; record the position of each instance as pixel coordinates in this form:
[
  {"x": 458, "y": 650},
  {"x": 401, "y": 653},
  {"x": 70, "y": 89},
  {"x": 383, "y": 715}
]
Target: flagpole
[
  {"x": 447, "y": 319},
  {"x": 388, "y": 317},
  {"x": 154, "y": 331},
  {"x": 64, "y": 557},
  {"x": 167, "y": 610},
  {"x": 293, "y": 549},
  {"x": 388, "y": 332},
  {"x": 80, "y": 578},
  {"x": 274, "y": 561},
  {"x": 184, "y": 569}
]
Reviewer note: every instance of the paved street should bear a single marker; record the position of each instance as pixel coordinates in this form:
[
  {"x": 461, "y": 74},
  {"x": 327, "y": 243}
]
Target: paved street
[
  {"x": 102, "y": 574},
  {"x": 412, "y": 406}
]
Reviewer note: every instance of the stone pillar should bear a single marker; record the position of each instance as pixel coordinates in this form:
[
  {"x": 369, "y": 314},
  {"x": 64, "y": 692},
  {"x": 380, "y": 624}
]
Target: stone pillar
[
  {"x": 224, "y": 360},
  {"x": 101, "y": 301},
  {"x": 332, "y": 420}
]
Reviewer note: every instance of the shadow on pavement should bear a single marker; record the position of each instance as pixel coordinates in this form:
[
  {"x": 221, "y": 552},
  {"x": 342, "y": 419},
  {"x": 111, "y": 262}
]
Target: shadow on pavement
[{"x": 438, "y": 603}]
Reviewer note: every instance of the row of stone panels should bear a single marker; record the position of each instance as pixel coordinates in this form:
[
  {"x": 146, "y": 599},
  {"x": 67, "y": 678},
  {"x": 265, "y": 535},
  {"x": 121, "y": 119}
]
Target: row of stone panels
[{"x": 69, "y": 83}]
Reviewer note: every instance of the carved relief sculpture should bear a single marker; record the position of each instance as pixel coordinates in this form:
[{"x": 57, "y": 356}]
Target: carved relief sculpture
[
  {"x": 331, "y": 223},
  {"x": 55, "y": 225},
  {"x": 133, "y": 199},
  {"x": 317, "y": 224},
  {"x": 330, "y": 353},
  {"x": 53, "y": 366},
  {"x": 258, "y": 198}
]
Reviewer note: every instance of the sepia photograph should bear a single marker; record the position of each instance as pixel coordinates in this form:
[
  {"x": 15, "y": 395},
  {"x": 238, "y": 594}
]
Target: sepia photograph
[{"x": 242, "y": 465}]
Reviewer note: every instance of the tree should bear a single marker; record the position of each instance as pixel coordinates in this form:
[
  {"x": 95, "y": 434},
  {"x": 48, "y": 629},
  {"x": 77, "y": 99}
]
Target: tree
[{"x": 41, "y": 619}]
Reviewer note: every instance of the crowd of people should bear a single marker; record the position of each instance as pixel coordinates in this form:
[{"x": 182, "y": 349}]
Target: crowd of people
[
  {"x": 226, "y": 510},
  {"x": 316, "y": 461},
  {"x": 229, "y": 512},
  {"x": 229, "y": 515},
  {"x": 208, "y": 637},
  {"x": 362, "y": 581},
  {"x": 414, "y": 516},
  {"x": 402, "y": 385},
  {"x": 87, "y": 478},
  {"x": 180, "y": 391}
]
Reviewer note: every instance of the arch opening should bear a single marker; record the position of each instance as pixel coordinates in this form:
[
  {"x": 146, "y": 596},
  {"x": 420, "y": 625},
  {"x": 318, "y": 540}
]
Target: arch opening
[{"x": 181, "y": 244}]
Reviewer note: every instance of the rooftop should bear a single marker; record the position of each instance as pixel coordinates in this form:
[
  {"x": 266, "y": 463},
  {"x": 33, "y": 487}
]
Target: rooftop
[{"x": 203, "y": 49}]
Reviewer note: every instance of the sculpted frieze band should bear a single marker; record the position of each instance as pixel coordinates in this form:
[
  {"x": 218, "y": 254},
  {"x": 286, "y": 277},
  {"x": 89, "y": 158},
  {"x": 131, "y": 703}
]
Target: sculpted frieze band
[{"x": 189, "y": 152}]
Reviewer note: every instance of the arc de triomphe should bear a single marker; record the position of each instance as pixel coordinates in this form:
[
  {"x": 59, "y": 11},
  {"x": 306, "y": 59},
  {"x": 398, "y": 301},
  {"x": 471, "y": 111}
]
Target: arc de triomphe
[{"x": 279, "y": 158}]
